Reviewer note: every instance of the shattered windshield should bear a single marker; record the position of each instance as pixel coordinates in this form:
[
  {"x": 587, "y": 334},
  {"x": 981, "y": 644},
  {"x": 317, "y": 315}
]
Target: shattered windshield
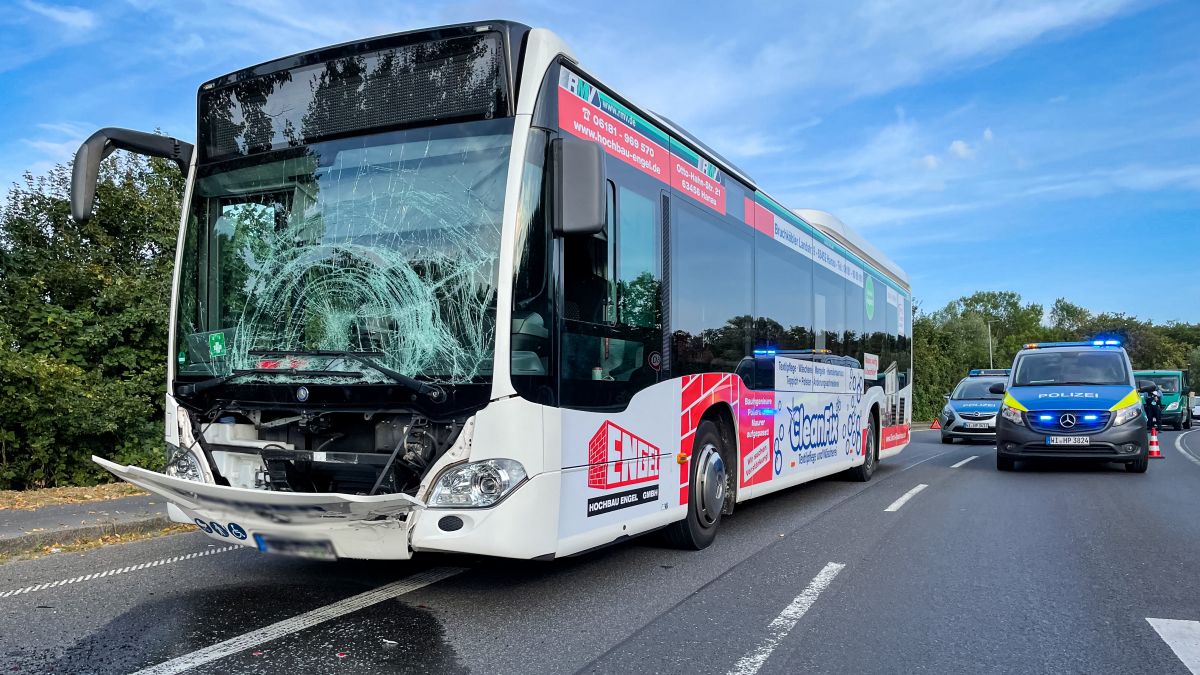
[{"x": 386, "y": 244}]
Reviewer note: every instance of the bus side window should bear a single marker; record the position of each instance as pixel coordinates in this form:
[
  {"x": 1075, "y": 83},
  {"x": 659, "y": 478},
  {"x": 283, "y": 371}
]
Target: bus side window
[
  {"x": 587, "y": 287},
  {"x": 637, "y": 262},
  {"x": 829, "y": 308},
  {"x": 612, "y": 328},
  {"x": 712, "y": 274}
]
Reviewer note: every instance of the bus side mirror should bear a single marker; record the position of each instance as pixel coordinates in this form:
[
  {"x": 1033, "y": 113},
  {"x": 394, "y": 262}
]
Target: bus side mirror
[
  {"x": 580, "y": 203},
  {"x": 946, "y": 396},
  {"x": 100, "y": 145},
  {"x": 996, "y": 388}
]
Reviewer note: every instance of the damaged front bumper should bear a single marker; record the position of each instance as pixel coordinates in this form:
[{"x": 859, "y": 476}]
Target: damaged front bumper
[{"x": 317, "y": 525}]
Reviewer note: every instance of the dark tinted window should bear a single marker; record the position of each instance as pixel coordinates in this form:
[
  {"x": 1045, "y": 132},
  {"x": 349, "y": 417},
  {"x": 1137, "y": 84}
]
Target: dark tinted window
[
  {"x": 875, "y": 317},
  {"x": 852, "y": 345},
  {"x": 782, "y": 297},
  {"x": 829, "y": 308},
  {"x": 612, "y": 327},
  {"x": 452, "y": 79},
  {"x": 711, "y": 277}
]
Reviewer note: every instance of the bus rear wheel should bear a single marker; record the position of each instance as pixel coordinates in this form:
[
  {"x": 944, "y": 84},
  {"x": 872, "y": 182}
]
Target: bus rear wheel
[
  {"x": 863, "y": 472},
  {"x": 707, "y": 489}
]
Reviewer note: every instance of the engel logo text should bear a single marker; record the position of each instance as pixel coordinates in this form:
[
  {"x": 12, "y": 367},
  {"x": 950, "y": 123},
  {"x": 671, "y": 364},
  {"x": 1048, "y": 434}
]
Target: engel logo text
[
  {"x": 1070, "y": 394},
  {"x": 619, "y": 458}
]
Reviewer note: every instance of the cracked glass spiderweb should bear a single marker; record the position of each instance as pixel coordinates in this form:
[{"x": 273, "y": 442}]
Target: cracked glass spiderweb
[{"x": 384, "y": 244}]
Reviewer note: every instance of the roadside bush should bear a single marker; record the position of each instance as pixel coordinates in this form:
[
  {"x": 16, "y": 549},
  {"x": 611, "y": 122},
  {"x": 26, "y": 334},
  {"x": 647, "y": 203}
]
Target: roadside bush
[{"x": 83, "y": 323}]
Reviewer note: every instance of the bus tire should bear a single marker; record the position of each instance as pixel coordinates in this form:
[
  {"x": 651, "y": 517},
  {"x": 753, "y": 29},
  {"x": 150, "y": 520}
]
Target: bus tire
[
  {"x": 707, "y": 484},
  {"x": 863, "y": 472}
]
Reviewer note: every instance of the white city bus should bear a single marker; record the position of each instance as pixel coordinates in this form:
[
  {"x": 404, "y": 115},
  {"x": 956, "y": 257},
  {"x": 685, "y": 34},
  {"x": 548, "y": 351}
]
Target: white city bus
[{"x": 446, "y": 291}]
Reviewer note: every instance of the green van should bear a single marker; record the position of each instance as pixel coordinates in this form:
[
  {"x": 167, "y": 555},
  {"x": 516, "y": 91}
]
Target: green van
[{"x": 1176, "y": 410}]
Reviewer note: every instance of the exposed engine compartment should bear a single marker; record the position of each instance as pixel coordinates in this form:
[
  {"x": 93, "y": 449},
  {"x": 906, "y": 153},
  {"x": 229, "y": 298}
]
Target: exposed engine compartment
[{"x": 359, "y": 453}]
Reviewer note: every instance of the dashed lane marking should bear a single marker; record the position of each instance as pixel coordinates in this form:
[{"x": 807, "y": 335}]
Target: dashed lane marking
[
  {"x": 1183, "y": 637},
  {"x": 895, "y": 506},
  {"x": 114, "y": 572},
  {"x": 955, "y": 466},
  {"x": 1183, "y": 450},
  {"x": 783, "y": 624},
  {"x": 300, "y": 622}
]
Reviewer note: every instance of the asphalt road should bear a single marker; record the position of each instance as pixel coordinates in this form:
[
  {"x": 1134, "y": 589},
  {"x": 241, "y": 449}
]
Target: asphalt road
[{"x": 1053, "y": 568}]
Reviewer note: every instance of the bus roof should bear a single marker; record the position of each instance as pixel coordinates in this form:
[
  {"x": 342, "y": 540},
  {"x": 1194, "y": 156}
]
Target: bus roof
[{"x": 848, "y": 237}]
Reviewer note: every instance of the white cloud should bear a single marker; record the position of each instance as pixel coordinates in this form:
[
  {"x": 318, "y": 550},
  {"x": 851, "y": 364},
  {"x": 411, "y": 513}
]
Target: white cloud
[
  {"x": 988, "y": 135},
  {"x": 76, "y": 19},
  {"x": 1061, "y": 98},
  {"x": 961, "y": 149},
  {"x": 931, "y": 162}
]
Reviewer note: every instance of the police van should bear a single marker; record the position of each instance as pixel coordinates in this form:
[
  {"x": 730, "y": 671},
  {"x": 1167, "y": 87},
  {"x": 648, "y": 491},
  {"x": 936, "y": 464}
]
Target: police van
[
  {"x": 971, "y": 409},
  {"x": 1071, "y": 400}
]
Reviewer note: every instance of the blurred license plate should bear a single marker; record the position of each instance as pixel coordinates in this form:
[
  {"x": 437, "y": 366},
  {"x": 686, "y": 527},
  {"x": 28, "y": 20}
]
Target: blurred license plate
[
  {"x": 1068, "y": 440},
  {"x": 975, "y": 425},
  {"x": 316, "y": 550}
]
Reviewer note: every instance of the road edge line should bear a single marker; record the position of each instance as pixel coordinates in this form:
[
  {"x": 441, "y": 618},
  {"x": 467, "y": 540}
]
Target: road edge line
[{"x": 1184, "y": 451}]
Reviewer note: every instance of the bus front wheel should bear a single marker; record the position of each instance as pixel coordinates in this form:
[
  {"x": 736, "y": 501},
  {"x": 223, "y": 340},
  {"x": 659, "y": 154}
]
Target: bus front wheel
[{"x": 707, "y": 486}]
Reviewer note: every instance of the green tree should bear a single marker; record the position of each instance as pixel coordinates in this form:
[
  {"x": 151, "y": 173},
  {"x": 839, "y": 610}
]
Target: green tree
[{"x": 83, "y": 333}]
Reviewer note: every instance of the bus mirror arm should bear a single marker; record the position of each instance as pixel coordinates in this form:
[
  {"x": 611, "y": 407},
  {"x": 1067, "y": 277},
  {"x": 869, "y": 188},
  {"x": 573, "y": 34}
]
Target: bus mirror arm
[
  {"x": 100, "y": 145},
  {"x": 579, "y": 186}
]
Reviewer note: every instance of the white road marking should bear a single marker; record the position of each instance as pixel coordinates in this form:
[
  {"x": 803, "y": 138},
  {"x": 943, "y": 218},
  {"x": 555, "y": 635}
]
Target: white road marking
[
  {"x": 783, "y": 624},
  {"x": 300, "y": 622},
  {"x": 955, "y": 466},
  {"x": 1183, "y": 637},
  {"x": 121, "y": 570},
  {"x": 1184, "y": 451},
  {"x": 895, "y": 506}
]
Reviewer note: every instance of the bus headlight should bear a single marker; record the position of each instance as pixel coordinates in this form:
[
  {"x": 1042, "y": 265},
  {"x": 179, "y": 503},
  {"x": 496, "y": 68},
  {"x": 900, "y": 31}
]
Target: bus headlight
[
  {"x": 948, "y": 412},
  {"x": 1173, "y": 406},
  {"x": 477, "y": 484},
  {"x": 183, "y": 464},
  {"x": 1012, "y": 415},
  {"x": 1126, "y": 414}
]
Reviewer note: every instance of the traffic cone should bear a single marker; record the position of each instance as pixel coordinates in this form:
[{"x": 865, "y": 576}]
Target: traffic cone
[
  {"x": 935, "y": 424},
  {"x": 1154, "y": 453}
]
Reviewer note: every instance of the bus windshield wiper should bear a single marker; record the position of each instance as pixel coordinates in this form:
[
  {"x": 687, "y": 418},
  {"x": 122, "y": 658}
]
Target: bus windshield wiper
[
  {"x": 197, "y": 387},
  {"x": 434, "y": 392}
]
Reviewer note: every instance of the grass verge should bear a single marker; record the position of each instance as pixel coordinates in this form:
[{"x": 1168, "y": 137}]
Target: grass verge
[
  {"x": 83, "y": 544},
  {"x": 28, "y": 500}
]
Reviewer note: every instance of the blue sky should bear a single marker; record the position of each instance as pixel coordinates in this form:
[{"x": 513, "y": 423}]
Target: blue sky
[{"x": 1050, "y": 147}]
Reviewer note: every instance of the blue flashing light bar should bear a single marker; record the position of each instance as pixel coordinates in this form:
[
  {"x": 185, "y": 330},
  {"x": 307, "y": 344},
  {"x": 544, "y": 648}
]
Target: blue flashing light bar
[
  {"x": 989, "y": 372},
  {"x": 1090, "y": 418},
  {"x": 1082, "y": 343},
  {"x": 1046, "y": 418},
  {"x": 764, "y": 352}
]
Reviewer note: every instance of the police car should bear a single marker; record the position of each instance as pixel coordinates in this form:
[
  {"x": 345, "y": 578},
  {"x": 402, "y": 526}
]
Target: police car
[
  {"x": 971, "y": 409},
  {"x": 1071, "y": 400}
]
